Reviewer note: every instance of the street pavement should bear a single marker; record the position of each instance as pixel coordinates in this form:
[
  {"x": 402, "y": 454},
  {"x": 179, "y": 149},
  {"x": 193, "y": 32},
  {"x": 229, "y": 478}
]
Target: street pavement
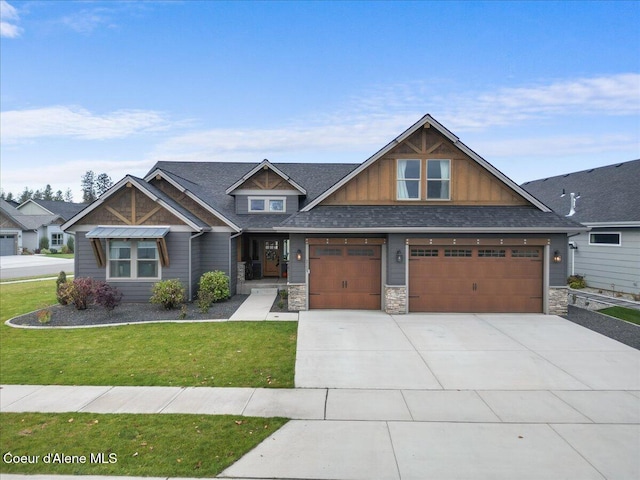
[
  {"x": 420, "y": 396},
  {"x": 20, "y": 266}
]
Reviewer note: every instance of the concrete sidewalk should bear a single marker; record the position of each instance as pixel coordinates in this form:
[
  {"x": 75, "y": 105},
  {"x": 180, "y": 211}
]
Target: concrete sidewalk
[{"x": 258, "y": 307}]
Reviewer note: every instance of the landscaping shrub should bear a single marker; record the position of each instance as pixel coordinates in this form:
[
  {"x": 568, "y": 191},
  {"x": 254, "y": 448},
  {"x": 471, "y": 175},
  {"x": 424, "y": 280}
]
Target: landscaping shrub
[
  {"x": 70, "y": 244},
  {"x": 64, "y": 250},
  {"x": 168, "y": 293},
  {"x": 576, "y": 281},
  {"x": 213, "y": 287},
  {"x": 79, "y": 292},
  {"x": 62, "y": 279},
  {"x": 44, "y": 243},
  {"x": 106, "y": 295}
]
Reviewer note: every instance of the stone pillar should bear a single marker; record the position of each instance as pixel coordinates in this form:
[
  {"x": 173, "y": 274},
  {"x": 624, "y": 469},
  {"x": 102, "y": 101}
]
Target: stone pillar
[
  {"x": 558, "y": 299},
  {"x": 240, "y": 272},
  {"x": 297, "y": 296},
  {"x": 395, "y": 299}
]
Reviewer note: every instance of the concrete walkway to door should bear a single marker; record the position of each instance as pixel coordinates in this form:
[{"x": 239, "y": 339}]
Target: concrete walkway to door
[{"x": 457, "y": 396}]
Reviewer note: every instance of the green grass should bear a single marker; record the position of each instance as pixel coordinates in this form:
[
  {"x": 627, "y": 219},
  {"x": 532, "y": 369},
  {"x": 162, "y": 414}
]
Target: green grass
[
  {"x": 19, "y": 298},
  {"x": 233, "y": 354},
  {"x": 141, "y": 445},
  {"x": 622, "y": 313},
  {"x": 60, "y": 255}
]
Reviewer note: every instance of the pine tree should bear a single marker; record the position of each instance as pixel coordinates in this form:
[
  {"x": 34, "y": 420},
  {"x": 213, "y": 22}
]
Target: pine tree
[
  {"x": 88, "y": 187},
  {"x": 103, "y": 183}
]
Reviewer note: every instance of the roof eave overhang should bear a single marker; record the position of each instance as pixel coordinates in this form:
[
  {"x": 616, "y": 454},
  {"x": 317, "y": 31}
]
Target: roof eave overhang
[
  {"x": 257, "y": 168},
  {"x": 192, "y": 196},
  {"x": 543, "y": 230},
  {"x": 427, "y": 119},
  {"x": 612, "y": 224}
]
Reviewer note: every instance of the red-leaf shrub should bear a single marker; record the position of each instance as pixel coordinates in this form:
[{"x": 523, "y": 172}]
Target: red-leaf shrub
[{"x": 107, "y": 296}]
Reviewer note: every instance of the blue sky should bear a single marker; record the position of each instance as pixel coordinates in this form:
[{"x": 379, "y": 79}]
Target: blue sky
[{"x": 536, "y": 88}]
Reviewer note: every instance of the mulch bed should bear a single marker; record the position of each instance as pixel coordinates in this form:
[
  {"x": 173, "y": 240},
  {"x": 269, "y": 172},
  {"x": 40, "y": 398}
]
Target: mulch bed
[
  {"x": 68, "y": 316},
  {"x": 619, "y": 330}
]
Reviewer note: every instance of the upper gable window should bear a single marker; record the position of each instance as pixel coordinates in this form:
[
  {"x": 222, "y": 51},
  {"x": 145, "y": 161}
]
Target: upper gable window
[
  {"x": 267, "y": 205},
  {"x": 438, "y": 179},
  {"x": 408, "y": 179}
]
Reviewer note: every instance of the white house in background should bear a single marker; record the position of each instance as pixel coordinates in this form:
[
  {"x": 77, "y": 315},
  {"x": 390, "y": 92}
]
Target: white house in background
[{"x": 607, "y": 200}]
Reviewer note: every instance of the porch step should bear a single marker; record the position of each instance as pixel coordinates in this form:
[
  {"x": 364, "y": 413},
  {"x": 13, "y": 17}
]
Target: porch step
[
  {"x": 264, "y": 291},
  {"x": 249, "y": 288}
]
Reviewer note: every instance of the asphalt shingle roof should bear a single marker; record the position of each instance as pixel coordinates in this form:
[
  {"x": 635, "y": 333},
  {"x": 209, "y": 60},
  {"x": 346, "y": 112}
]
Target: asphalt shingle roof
[{"x": 607, "y": 194}]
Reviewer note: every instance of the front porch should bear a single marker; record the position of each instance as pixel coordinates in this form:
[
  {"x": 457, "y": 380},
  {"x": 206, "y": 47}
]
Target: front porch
[{"x": 245, "y": 287}]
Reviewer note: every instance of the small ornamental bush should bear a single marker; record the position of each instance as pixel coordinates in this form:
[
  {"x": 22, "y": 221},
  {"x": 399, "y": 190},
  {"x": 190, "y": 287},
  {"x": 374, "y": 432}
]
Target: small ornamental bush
[
  {"x": 576, "y": 281},
  {"x": 70, "y": 244},
  {"x": 106, "y": 295},
  {"x": 168, "y": 293},
  {"x": 62, "y": 279},
  {"x": 79, "y": 292},
  {"x": 64, "y": 250},
  {"x": 44, "y": 243},
  {"x": 213, "y": 287}
]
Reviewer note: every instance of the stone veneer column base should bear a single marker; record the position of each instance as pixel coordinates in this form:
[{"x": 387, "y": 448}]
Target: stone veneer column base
[
  {"x": 558, "y": 300},
  {"x": 395, "y": 299},
  {"x": 240, "y": 272},
  {"x": 297, "y": 296}
]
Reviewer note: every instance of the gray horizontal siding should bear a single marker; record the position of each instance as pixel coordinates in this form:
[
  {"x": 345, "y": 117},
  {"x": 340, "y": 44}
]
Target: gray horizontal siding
[{"x": 609, "y": 267}]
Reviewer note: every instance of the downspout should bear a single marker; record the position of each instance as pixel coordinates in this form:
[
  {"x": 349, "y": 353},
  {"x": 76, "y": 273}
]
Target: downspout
[
  {"x": 572, "y": 251},
  {"x": 231, "y": 237},
  {"x": 191, "y": 263}
]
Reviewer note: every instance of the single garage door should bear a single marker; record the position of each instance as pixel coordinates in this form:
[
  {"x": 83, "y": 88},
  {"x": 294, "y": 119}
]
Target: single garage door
[
  {"x": 344, "y": 276},
  {"x": 475, "y": 279},
  {"x": 7, "y": 245}
]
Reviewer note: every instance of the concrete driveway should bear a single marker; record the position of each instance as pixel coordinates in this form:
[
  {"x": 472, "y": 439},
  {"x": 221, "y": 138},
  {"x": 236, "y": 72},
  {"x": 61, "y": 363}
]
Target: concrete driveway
[
  {"x": 19, "y": 266},
  {"x": 457, "y": 397}
]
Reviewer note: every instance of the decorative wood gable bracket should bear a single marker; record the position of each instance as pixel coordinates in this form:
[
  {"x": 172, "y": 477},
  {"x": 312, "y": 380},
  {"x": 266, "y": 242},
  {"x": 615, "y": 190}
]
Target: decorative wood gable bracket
[{"x": 265, "y": 176}]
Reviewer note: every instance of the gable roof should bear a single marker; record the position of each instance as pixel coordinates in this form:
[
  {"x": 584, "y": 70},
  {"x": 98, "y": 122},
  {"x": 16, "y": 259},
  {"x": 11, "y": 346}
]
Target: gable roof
[
  {"x": 608, "y": 195},
  {"x": 26, "y": 222},
  {"x": 152, "y": 192},
  {"x": 265, "y": 164},
  {"x": 428, "y": 119},
  {"x": 65, "y": 210},
  {"x": 208, "y": 182}
]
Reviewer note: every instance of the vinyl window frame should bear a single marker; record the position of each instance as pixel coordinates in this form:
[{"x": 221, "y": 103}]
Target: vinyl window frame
[
  {"x": 57, "y": 239},
  {"x": 267, "y": 204},
  {"x": 441, "y": 180},
  {"x": 133, "y": 261},
  {"x": 401, "y": 178},
  {"x": 600, "y": 244}
]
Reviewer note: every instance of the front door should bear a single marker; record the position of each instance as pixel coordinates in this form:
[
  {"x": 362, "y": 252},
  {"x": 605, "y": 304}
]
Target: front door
[{"x": 271, "y": 258}]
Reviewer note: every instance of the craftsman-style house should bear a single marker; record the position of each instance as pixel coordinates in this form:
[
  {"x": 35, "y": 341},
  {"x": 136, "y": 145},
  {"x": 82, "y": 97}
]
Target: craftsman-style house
[{"x": 424, "y": 225}]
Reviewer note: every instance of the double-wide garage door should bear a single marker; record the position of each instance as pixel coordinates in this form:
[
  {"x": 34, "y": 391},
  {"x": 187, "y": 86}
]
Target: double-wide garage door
[
  {"x": 475, "y": 279},
  {"x": 345, "y": 276}
]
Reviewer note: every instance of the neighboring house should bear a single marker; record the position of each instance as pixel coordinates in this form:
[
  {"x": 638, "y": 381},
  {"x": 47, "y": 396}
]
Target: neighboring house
[
  {"x": 608, "y": 255},
  {"x": 22, "y": 227},
  {"x": 50, "y": 215},
  {"x": 425, "y": 224}
]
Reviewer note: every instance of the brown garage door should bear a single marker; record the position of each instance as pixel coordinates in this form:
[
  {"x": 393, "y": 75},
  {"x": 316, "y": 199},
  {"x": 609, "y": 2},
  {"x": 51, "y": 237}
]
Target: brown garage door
[
  {"x": 344, "y": 276},
  {"x": 475, "y": 279}
]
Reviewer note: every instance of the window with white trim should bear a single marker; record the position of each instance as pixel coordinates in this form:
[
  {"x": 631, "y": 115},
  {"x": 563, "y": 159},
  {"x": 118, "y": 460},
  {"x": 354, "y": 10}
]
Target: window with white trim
[
  {"x": 267, "y": 204},
  {"x": 133, "y": 259},
  {"x": 606, "y": 238},
  {"x": 438, "y": 179},
  {"x": 57, "y": 239},
  {"x": 408, "y": 179}
]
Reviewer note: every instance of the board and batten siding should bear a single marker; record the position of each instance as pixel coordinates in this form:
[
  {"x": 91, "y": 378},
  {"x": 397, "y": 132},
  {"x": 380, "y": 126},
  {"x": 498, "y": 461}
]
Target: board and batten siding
[
  {"x": 135, "y": 290},
  {"x": 606, "y": 266}
]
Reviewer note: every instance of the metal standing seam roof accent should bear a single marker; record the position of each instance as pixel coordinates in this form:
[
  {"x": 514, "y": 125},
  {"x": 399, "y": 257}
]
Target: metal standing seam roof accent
[{"x": 128, "y": 232}]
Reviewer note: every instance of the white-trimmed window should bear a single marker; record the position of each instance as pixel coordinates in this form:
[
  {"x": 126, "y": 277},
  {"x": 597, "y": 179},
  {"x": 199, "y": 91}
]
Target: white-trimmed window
[
  {"x": 267, "y": 204},
  {"x": 133, "y": 259},
  {"x": 57, "y": 239},
  {"x": 438, "y": 179},
  {"x": 408, "y": 179},
  {"x": 606, "y": 239}
]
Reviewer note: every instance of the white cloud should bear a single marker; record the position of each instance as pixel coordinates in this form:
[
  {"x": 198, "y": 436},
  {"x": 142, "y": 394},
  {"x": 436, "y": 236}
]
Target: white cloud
[
  {"x": 77, "y": 122},
  {"x": 8, "y": 18}
]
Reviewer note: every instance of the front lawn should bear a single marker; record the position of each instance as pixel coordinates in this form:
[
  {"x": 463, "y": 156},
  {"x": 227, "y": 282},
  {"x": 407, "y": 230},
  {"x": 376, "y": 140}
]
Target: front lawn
[
  {"x": 233, "y": 354},
  {"x": 141, "y": 445},
  {"x": 622, "y": 313}
]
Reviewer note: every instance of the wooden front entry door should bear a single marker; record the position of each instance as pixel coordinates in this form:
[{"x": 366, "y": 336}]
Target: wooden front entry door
[{"x": 271, "y": 256}]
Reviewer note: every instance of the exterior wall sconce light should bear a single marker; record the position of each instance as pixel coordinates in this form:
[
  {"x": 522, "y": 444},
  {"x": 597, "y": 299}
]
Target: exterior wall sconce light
[
  {"x": 299, "y": 255},
  {"x": 557, "y": 258},
  {"x": 399, "y": 256}
]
